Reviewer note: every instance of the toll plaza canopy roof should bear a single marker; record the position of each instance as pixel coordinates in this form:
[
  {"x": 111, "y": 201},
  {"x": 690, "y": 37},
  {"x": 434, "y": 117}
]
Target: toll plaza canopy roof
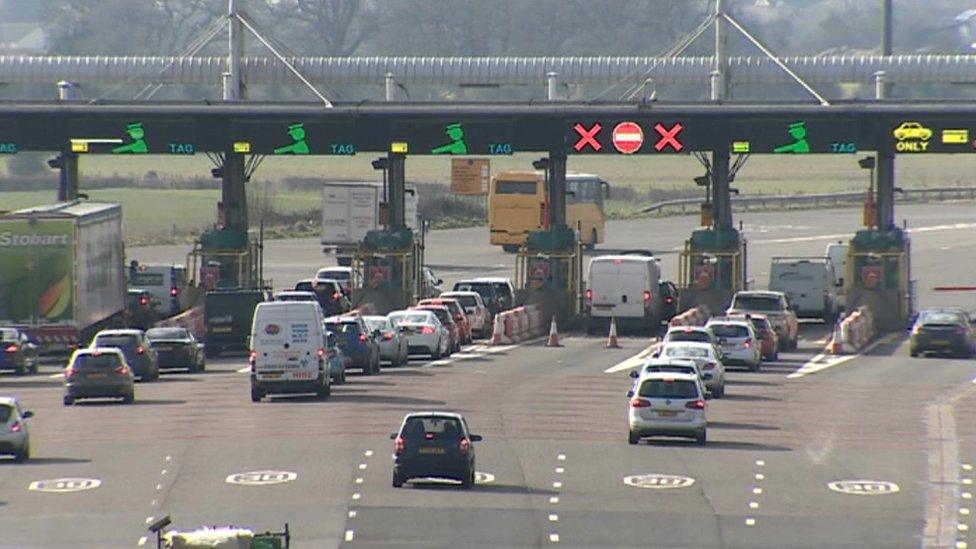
[{"x": 487, "y": 128}]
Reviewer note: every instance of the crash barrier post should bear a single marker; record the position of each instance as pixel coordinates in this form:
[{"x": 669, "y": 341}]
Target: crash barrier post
[
  {"x": 517, "y": 325},
  {"x": 853, "y": 332}
]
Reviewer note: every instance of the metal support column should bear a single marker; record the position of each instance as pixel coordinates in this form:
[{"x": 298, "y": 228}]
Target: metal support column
[
  {"x": 552, "y": 86},
  {"x": 396, "y": 181},
  {"x": 232, "y": 192},
  {"x": 67, "y": 161},
  {"x": 720, "y": 85},
  {"x": 556, "y": 189},
  {"x": 233, "y": 78},
  {"x": 390, "y": 87},
  {"x": 885, "y": 188},
  {"x": 721, "y": 201}
]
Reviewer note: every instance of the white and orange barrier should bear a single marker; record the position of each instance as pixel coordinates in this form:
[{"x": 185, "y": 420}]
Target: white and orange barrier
[
  {"x": 853, "y": 332},
  {"x": 191, "y": 319},
  {"x": 696, "y": 316},
  {"x": 517, "y": 324}
]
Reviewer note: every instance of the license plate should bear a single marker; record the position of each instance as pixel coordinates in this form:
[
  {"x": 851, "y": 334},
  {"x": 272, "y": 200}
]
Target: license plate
[
  {"x": 96, "y": 376},
  {"x": 940, "y": 342},
  {"x": 221, "y": 329},
  {"x": 431, "y": 450},
  {"x": 164, "y": 348},
  {"x": 603, "y": 306},
  {"x": 667, "y": 413},
  {"x": 271, "y": 374}
]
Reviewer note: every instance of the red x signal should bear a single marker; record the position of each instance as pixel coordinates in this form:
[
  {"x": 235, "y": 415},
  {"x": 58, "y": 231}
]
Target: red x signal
[
  {"x": 587, "y": 137},
  {"x": 669, "y": 137}
]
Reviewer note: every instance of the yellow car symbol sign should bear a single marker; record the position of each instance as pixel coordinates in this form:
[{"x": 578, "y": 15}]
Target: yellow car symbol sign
[{"x": 912, "y": 137}]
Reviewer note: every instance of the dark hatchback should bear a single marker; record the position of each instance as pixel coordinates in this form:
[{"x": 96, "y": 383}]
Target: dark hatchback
[
  {"x": 328, "y": 293},
  {"x": 98, "y": 373},
  {"x": 356, "y": 341},
  {"x": 17, "y": 352},
  {"x": 942, "y": 331},
  {"x": 434, "y": 445},
  {"x": 176, "y": 348},
  {"x": 227, "y": 316}
]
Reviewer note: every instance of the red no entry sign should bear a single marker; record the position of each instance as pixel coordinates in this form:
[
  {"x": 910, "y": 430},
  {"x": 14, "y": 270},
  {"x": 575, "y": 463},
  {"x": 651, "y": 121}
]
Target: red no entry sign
[{"x": 628, "y": 137}]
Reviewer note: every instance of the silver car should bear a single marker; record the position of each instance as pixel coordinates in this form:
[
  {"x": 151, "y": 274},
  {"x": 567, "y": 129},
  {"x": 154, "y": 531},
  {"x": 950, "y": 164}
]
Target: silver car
[
  {"x": 668, "y": 404},
  {"x": 423, "y": 332},
  {"x": 709, "y": 362},
  {"x": 393, "y": 346},
  {"x": 14, "y": 433},
  {"x": 739, "y": 342}
]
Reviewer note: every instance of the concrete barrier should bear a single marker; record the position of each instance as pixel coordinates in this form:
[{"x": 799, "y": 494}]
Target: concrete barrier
[
  {"x": 517, "y": 325},
  {"x": 853, "y": 332},
  {"x": 191, "y": 319}
]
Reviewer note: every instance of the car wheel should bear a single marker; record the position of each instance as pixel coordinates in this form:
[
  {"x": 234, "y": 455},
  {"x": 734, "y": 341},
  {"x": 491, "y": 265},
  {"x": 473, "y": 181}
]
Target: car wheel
[
  {"x": 324, "y": 391},
  {"x": 20, "y": 370},
  {"x": 129, "y": 398},
  {"x": 720, "y": 393},
  {"x": 23, "y": 454},
  {"x": 795, "y": 342},
  {"x": 702, "y": 437},
  {"x": 633, "y": 438},
  {"x": 436, "y": 354},
  {"x": 468, "y": 481},
  {"x": 256, "y": 395},
  {"x": 35, "y": 365},
  {"x": 755, "y": 367},
  {"x": 68, "y": 400},
  {"x": 397, "y": 480}
]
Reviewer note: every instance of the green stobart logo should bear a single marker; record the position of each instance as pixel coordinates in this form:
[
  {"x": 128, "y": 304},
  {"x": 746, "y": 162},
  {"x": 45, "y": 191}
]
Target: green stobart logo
[
  {"x": 10, "y": 239},
  {"x": 36, "y": 271}
]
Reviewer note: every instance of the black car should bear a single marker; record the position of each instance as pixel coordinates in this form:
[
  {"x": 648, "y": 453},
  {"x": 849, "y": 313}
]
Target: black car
[
  {"x": 177, "y": 348},
  {"x": 328, "y": 293},
  {"x": 140, "y": 310},
  {"x": 17, "y": 352},
  {"x": 434, "y": 445},
  {"x": 669, "y": 299},
  {"x": 227, "y": 316},
  {"x": 944, "y": 330}
]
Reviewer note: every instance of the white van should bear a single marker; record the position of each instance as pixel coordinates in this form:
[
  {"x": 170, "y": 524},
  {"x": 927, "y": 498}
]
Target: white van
[
  {"x": 288, "y": 349},
  {"x": 165, "y": 282},
  {"x": 837, "y": 254},
  {"x": 809, "y": 285},
  {"x": 624, "y": 287}
]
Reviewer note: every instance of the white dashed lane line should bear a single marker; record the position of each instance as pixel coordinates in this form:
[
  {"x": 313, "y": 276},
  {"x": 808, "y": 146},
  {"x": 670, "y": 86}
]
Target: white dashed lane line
[
  {"x": 756, "y": 492},
  {"x": 554, "y": 500},
  {"x": 360, "y": 479}
]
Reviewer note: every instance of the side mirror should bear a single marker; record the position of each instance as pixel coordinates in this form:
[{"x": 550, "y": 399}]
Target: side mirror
[
  {"x": 476, "y": 438},
  {"x": 634, "y": 374},
  {"x": 393, "y": 436},
  {"x": 630, "y": 393},
  {"x": 440, "y": 281},
  {"x": 28, "y": 414},
  {"x": 708, "y": 395}
]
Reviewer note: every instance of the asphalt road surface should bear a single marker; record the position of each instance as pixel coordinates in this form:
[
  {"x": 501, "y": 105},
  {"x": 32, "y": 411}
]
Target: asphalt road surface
[{"x": 556, "y": 469}]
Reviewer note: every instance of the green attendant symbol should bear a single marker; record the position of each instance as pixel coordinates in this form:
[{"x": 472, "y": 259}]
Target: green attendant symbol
[
  {"x": 299, "y": 146},
  {"x": 457, "y": 145},
  {"x": 798, "y": 131},
  {"x": 138, "y": 136}
]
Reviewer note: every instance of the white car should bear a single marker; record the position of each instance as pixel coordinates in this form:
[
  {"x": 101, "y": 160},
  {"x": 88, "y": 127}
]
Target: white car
[
  {"x": 690, "y": 333},
  {"x": 677, "y": 365},
  {"x": 474, "y": 308},
  {"x": 739, "y": 342},
  {"x": 709, "y": 362},
  {"x": 14, "y": 434},
  {"x": 423, "y": 331},
  {"x": 668, "y": 404},
  {"x": 393, "y": 346},
  {"x": 342, "y": 275}
]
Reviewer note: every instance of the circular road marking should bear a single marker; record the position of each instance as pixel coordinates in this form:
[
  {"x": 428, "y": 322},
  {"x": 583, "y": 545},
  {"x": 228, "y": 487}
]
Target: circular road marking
[
  {"x": 864, "y": 487},
  {"x": 64, "y": 485},
  {"x": 658, "y": 481},
  {"x": 261, "y": 478},
  {"x": 480, "y": 477}
]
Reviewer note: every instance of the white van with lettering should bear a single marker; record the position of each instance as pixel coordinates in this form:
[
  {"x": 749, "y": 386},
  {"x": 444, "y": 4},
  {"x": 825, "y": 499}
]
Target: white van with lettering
[
  {"x": 624, "y": 287},
  {"x": 288, "y": 349}
]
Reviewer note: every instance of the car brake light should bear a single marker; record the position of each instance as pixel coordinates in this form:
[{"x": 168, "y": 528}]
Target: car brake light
[
  {"x": 388, "y": 336},
  {"x": 140, "y": 350},
  {"x": 427, "y": 330},
  {"x": 336, "y": 296},
  {"x": 398, "y": 445},
  {"x": 174, "y": 291},
  {"x": 69, "y": 372},
  {"x": 321, "y": 352},
  {"x": 639, "y": 403},
  {"x": 747, "y": 343},
  {"x": 696, "y": 404},
  {"x": 362, "y": 338},
  {"x": 12, "y": 348},
  {"x": 122, "y": 370},
  {"x": 647, "y": 297},
  {"x": 15, "y": 427},
  {"x": 143, "y": 300},
  {"x": 917, "y": 329},
  {"x": 464, "y": 446},
  {"x": 709, "y": 366},
  {"x": 589, "y": 295},
  {"x": 669, "y": 300}
]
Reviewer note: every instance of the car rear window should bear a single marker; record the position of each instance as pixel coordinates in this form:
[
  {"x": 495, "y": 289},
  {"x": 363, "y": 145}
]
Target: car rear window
[
  {"x": 699, "y": 337},
  {"x": 676, "y": 369},
  {"x": 443, "y": 316},
  {"x": 941, "y": 317},
  {"x": 5, "y": 413},
  {"x": 414, "y": 318},
  {"x": 693, "y": 352},
  {"x": 382, "y": 324},
  {"x": 439, "y": 427},
  {"x": 8, "y": 335},
  {"x": 95, "y": 362},
  {"x": 756, "y": 303},
  {"x": 466, "y": 300},
  {"x": 334, "y": 275},
  {"x": 166, "y": 333},
  {"x": 116, "y": 341},
  {"x": 729, "y": 330},
  {"x": 663, "y": 388},
  {"x": 343, "y": 327}
]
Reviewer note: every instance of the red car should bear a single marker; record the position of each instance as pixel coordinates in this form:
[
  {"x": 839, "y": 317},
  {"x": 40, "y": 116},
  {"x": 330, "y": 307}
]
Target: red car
[
  {"x": 447, "y": 319},
  {"x": 765, "y": 333},
  {"x": 457, "y": 313}
]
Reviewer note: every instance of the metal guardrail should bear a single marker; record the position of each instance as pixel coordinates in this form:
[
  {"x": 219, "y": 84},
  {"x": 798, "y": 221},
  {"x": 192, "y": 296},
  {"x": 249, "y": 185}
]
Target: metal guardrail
[{"x": 817, "y": 200}]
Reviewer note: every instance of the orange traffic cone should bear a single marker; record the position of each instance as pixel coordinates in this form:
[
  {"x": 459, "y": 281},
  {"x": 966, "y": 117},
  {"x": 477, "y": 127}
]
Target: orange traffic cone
[
  {"x": 553, "y": 340},
  {"x": 836, "y": 345},
  {"x": 612, "y": 340},
  {"x": 496, "y": 331}
]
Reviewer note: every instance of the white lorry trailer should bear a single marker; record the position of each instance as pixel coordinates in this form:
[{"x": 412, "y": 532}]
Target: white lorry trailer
[{"x": 351, "y": 209}]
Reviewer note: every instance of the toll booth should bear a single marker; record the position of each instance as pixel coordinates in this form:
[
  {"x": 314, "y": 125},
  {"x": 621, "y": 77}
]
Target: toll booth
[
  {"x": 548, "y": 272},
  {"x": 227, "y": 258},
  {"x": 711, "y": 268},
  {"x": 879, "y": 276},
  {"x": 387, "y": 271}
]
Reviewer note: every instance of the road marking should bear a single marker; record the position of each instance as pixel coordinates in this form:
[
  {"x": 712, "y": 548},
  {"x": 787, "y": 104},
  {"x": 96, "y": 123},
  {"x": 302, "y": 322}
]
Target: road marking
[
  {"x": 350, "y": 535},
  {"x": 261, "y": 478},
  {"x": 554, "y": 500},
  {"x": 754, "y": 505},
  {"x": 168, "y": 458},
  {"x": 164, "y": 471},
  {"x": 757, "y": 491},
  {"x": 962, "y": 545},
  {"x": 554, "y": 538},
  {"x": 964, "y": 511},
  {"x": 480, "y": 477},
  {"x": 159, "y": 486},
  {"x": 942, "y": 449},
  {"x": 154, "y": 503},
  {"x": 362, "y": 466},
  {"x": 760, "y": 463},
  {"x": 368, "y": 453},
  {"x": 359, "y": 480},
  {"x": 864, "y": 487},
  {"x": 64, "y": 485},
  {"x": 635, "y": 361},
  {"x": 560, "y": 470},
  {"x": 820, "y": 362},
  {"x": 963, "y": 527},
  {"x": 352, "y": 514},
  {"x": 750, "y": 522},
  {"x": 142, "y": 541},
  {"x": 244, "y": 370},
  {"x": 356, "y": 496},
  {"x": 561, "y": 457},
  {"x": 149, "y": 519},
  {"x": 760, "y": 476},
  {"x": 658, "y": 481},
  {"x": 557, "y": 485},
  {"x": 553, "y": 517},
  {"x": 967, "y": 495},
  {"x": 966, "y": 467}
]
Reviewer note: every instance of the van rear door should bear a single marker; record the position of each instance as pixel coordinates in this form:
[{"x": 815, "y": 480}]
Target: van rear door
[
  {"x": 285, "y": 342},
  {"x": 618, "y": 287}
]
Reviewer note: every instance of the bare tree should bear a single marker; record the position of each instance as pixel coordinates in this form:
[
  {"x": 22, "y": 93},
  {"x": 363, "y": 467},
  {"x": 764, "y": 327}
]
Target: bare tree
[{"x": 339, "y": 26}]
